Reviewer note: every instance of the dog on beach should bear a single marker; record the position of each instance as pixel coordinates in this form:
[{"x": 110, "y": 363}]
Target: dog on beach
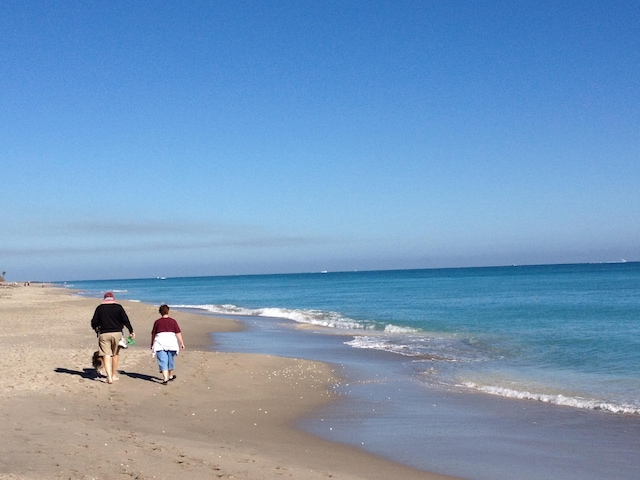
[{"x": 98, "y": 363}]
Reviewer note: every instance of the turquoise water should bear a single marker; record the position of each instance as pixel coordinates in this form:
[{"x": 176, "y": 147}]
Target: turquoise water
[{"x": 562, "y": 334}]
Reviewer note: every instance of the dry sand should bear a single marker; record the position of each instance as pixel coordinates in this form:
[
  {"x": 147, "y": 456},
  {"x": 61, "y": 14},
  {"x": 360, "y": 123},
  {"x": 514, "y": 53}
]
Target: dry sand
[{"x": 225, "y": 416}]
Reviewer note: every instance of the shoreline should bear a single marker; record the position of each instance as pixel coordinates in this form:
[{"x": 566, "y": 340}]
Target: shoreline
[{"x": 227, "y": 415}]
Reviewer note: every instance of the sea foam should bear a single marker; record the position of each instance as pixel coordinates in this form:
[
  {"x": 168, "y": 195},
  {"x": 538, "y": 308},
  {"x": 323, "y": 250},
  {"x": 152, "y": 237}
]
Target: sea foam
[
  {"x": 318, "y": 318},
  {"x": 556, "y": 399}
]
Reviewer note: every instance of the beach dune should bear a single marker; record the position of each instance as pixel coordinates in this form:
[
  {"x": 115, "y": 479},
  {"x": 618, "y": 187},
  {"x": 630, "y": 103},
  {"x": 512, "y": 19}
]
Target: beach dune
[{"x": 226, "y": 415}]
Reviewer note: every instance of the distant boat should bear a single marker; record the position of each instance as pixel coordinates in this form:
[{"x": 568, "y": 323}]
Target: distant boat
[
  {"x": 162, "y": 278},
  {"x": 324, "y": 271}
]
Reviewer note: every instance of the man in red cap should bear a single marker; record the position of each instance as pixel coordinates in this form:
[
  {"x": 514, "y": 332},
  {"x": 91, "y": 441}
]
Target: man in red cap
[{"x": 108, "y": 321}]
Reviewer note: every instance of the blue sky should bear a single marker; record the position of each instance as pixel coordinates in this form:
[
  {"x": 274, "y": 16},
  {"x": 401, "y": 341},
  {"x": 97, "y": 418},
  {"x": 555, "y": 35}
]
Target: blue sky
[{"x": 143, "y": 139}]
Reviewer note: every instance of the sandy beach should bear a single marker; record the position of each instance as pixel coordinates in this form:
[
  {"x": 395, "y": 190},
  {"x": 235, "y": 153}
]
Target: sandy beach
[{"x": 226, "y": 415}]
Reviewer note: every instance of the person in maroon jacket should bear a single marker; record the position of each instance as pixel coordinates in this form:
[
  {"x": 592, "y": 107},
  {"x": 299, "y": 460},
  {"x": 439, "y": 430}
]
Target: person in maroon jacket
[
  {"x": 166, "y": 342},
  {"x": 108, "y": 321}
]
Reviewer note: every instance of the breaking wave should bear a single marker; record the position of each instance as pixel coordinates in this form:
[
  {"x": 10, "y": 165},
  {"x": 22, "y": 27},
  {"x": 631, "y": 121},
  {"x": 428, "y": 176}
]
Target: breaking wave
[
  {"x": 556, "y": 399},
  {"x": 318, "y": 318}
]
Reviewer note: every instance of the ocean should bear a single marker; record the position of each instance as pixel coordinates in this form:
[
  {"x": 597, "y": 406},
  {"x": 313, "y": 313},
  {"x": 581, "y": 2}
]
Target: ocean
[{"x": 434, "y": 359}]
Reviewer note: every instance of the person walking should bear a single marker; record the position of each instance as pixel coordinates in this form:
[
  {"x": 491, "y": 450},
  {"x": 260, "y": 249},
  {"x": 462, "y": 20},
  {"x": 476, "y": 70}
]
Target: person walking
[
  {"x": 166, "y": 343},
  {"x": 109, "y": 319}
]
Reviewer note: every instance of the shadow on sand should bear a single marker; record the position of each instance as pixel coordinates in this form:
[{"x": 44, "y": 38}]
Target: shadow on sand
[
  {"x": 91, "y": 374},
  {"x": 140, "y": 376}
]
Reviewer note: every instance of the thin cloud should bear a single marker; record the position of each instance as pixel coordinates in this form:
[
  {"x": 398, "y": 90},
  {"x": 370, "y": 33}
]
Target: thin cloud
[{"x": 88, "y": 238}]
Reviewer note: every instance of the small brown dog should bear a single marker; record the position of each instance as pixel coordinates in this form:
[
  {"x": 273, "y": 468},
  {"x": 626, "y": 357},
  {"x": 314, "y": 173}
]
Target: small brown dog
[{"x": 98, "y": 363}]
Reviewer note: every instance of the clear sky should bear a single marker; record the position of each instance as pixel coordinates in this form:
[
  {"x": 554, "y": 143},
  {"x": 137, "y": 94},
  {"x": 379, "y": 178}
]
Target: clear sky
[{"x": 171, "y": 138}]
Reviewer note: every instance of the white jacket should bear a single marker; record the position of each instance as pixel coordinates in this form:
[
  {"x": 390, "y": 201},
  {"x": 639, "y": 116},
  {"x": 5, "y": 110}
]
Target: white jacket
[{"x": 165, "y": 341}]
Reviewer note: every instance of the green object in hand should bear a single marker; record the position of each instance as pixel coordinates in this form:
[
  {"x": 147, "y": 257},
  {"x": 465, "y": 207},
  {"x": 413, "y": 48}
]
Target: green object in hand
[{"x": 130, "y": 340}]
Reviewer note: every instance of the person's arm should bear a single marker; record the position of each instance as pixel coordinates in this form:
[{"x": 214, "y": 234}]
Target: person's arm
[
  {"x": 180, "y": 341},
  {"x": 126, "y": 322},
  {"x": 153, "y": 332},
  {"x": 94, "y": 321}
]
